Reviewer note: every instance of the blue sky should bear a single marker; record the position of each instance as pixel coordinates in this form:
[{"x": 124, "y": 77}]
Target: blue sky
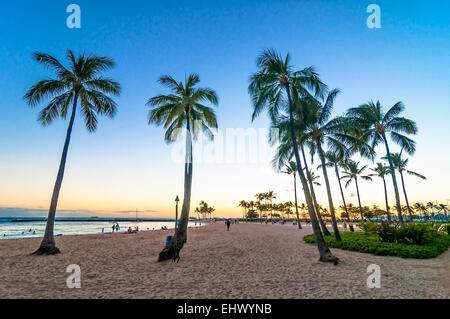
[{"x": 126, "y": 163}]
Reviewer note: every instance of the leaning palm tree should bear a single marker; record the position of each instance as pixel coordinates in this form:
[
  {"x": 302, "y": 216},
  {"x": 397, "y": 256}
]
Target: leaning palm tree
[
  {"x": 382, "y": 171},
  {"x": 291, "y": 169},
  {"x": 271, "y": 88},
  {"x": 183, "y": 108},
  {"x": 281, "y": 135},
  {"x": 374, "y": 125},
  {"x": 400, "y": 165},
  {"x": 351, "y": 172},
  {"x": 80, "y": 82},
  {"x": 323, "y": 130}
]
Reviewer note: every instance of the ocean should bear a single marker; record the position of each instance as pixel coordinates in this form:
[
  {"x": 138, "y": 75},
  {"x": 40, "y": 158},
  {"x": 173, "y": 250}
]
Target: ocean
[{"x": 22, "y": 227}]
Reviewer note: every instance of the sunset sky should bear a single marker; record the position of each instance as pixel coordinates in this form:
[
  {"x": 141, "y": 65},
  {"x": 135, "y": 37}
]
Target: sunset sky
[{"x": 127, "y": 165}]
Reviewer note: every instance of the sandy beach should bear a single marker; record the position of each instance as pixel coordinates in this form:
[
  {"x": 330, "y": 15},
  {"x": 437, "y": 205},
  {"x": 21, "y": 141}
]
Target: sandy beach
[{"x": 249, "y": 261}]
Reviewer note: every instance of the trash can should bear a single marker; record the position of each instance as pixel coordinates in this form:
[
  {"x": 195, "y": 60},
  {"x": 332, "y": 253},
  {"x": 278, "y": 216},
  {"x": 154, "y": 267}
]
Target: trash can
[{"x": 168, "y": 239}]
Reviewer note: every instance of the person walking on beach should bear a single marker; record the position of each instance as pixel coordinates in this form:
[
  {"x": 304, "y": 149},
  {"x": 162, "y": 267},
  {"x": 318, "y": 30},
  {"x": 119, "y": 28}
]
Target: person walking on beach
[
  {"x": 117, "y": 227},
  {"x": 228, "y": 224},
  {"x": 113, "y": 228}
]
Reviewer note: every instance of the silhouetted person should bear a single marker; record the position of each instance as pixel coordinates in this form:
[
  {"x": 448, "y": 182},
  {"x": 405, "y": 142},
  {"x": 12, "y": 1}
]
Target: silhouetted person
[{"x": 228, "y": 224}]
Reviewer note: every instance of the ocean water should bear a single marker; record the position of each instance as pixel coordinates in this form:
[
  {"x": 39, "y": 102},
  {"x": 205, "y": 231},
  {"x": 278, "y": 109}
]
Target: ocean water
[{"x": 31, "y": 229}]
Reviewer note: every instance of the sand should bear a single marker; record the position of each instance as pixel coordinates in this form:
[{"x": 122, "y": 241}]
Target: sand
[{"x": 249, "y": 261}]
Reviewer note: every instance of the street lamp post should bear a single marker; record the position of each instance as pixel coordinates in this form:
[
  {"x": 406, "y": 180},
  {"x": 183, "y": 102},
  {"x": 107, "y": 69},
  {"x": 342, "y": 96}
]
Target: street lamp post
[{"x": 176, "y": 211}]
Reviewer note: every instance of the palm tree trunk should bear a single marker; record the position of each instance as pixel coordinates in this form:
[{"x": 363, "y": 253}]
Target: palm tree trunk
[
  {"x": 386, "y": 199},
  {"x": 406, "y": 197},
  {"x": 48, "y": 246},
  {"x": 394, "y": 181},
  {"x": 324, "y": 251},
  {"x": 296, "y": 203},
  {"x": 172, "y": 250},
  {"x": 325, "y": 230},
  {"x": 342, "y": 192},
  {"x": 359, "y": 199},
  {"x": 330, "y": 198}
]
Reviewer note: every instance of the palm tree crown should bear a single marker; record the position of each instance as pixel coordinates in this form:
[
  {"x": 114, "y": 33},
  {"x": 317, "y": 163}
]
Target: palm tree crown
[
  {"x": 374, "y": 124},
  {"x": 83, "y": 80},
  {"x": 184, "y": 105}
]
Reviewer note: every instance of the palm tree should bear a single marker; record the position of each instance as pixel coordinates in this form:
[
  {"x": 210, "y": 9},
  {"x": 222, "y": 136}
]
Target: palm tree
[
  {"x": 291, "y": 169},
  {"x": 322, "y": 130},
  {"x": 420, "y": 207},
  {"x": 261, "y": 197},
  {"x": 183, "y": 108},
  {"x": 286, "y": 152},
  {"x": 375, "y": 124},
  {"x": 336, "y": 160},
  {"x": 274, "y": 83},
  {"x": 81, "y": 81},
  {"x": 430, "y": 205},
  {"x": 243, "y": 204},
  {"x": 351, "y": 172},
  {"x": 251, "y": 207},
  {"x": 270, "y": 196},
  {"x": 400, "y": 164},
  {"x": 312, "y": 178},
  {"x": 382, "y": 171}
]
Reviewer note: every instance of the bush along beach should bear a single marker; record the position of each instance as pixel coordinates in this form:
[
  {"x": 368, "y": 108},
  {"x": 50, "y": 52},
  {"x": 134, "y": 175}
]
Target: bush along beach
[{"x": 415, "y": 240}]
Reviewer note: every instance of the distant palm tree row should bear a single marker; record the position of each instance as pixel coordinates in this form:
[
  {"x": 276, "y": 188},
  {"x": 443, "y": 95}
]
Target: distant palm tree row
[
  {"x": 264, "y": 207},
  {"x": 298, "y": 104},
  {"x": 204, "y": 210}
]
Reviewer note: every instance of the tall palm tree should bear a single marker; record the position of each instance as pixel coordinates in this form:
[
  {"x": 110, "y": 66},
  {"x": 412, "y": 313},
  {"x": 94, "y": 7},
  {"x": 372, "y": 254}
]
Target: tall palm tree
[
  {"x": 400, "y": 165},
  {"x": 291, "y": 169},
  {"x": 81, "y": 81},
  {"x": 351, "y": 172},
  {"x": 183, "y": 107},
  {"x": 336, "y": 160},
  {"x": 375, "y": 124},
  {"x": 323, "y": 130},
  {"x": 286, "y": 152},
  {"x": 381, "y": 171},
  {"x": 270, "y": 87}
]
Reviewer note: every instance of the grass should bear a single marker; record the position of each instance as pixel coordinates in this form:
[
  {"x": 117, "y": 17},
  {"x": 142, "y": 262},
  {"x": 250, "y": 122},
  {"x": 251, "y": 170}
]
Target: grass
[{"x": 372, "y": 244}]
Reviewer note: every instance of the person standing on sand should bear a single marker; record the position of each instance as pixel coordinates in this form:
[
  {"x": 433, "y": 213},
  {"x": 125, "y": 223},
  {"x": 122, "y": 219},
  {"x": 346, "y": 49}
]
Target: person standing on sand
[
  {"x": 228, "y": 224},
  {"x": 113, "y": 228}
]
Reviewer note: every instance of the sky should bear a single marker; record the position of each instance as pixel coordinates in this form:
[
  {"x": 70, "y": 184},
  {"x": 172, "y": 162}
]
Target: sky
[{"x": 126, "y": 165}]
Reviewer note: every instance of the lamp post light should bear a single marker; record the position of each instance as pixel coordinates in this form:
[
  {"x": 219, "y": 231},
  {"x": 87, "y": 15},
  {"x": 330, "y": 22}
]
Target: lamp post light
[{"x": 176, "y": 211}]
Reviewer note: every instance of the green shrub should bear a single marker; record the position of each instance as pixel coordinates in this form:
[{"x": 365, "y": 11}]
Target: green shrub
[
  {"x": 369, "y": 227},
  {"x": 372, "y": 244},
  {"x": 387, "y": 232}
]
